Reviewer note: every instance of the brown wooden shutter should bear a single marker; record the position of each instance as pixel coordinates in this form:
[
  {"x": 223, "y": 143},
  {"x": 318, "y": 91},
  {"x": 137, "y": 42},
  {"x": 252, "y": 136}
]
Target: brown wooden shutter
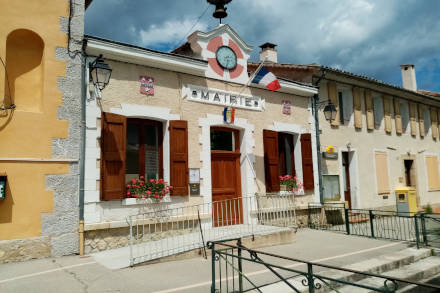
[
  {"x": 357, "y": 102},
  {"x": 333, "y": 97},
  {"x": 113, "y": 147},
  {"x": 434, "y": 123},
  {"x": 412, "y": 118},
  {"x": 387, "y": 113},
  {"x": 307, "y": 161},
  {"x": 271, "y": 160},
  {"x": 421, "y": 111},
  {"x": 369, "y": 110},
  {"x": 179, "y": 157},
  {"x": 397, "y": 116}
]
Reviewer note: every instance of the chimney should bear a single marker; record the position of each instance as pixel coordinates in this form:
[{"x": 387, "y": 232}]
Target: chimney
[
  {"x": 409, "y": 77},
  {"x": 268, "y": 53}
]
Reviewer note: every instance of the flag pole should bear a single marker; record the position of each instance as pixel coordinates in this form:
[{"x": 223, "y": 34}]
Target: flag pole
[{"x": 252, "y": 76}]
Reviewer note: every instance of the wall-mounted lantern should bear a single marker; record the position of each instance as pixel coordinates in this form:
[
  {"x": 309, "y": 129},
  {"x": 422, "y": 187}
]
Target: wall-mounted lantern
[
  {"x": 330, "y": 112},
  {"x": 100, "y": 73}
]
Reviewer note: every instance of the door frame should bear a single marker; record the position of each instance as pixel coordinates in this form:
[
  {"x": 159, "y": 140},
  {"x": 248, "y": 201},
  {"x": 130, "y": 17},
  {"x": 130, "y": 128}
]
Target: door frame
[
  {"x": 354, "y": 176},
  {"x": 235, "y": 155}
]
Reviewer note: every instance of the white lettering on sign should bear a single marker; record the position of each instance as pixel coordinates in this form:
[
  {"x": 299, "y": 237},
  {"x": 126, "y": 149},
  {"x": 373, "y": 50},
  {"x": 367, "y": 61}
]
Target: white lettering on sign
[{"x": 218, "y": 97}]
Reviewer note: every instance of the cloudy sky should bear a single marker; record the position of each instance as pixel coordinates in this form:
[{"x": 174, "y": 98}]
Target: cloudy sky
[{"x": 371, "y": 37}]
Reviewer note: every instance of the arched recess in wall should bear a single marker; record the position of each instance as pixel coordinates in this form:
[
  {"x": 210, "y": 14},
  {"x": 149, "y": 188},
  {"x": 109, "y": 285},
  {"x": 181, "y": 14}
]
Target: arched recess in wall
[{"x": 24, "y": 64}]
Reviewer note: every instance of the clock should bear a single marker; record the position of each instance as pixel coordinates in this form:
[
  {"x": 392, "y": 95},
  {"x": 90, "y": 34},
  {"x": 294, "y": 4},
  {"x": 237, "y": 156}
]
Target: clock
[{"x": 226, "y": 57}]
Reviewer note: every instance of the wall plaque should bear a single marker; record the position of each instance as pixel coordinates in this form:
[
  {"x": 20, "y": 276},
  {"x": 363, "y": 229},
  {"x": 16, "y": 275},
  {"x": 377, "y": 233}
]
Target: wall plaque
[{"x": 147, "y": 85}]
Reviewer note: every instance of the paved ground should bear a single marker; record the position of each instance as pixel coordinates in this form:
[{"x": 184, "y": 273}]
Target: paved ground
[{"x": 75, "y": 274}]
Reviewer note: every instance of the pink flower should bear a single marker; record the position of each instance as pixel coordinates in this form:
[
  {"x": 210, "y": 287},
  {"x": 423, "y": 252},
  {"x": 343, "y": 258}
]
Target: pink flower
[
  {"x": 151, "y": 180},
  {"x": 128, "y": 193},
  {"x": 148, "y": 192}
]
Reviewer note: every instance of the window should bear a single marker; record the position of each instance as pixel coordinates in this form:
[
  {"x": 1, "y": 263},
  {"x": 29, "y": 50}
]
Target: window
[
  {"x": 378, "y": 112},
  {"x": 341, "y": 107},
  {"x": 432, "y": 172},
  {"x": 404, "y": 112},
  {"x": 426, "y": 120},
  {"x": 133, "y": 147},
  {"x": 144, "y": 149},
  {"x": 286, "y": 154},
  {"x": 382, "y": 178},
  {"x": 345, "y": 98},
  {"x": 330, "y": 186},
  {"x": 275, "y": 164},
  {"x": 222, "y": 140}
]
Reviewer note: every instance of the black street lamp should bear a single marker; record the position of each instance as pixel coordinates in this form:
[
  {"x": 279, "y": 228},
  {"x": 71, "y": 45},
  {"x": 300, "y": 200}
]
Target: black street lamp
[
  {"x": 100, "y": 72},
  {"x": 330, "y": 112}
]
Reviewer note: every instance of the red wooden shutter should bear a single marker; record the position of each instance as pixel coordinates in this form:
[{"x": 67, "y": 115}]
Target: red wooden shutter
[
  {"x": 271, "y": 161},
  {"x": 179, "y": 157},
  {"x": 307, "y": 161},
  {"x": 113, "y": 146}
]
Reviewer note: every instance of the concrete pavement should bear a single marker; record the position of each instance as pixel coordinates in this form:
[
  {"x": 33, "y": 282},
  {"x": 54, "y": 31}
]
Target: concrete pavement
[{"x": 75, "y": 274}]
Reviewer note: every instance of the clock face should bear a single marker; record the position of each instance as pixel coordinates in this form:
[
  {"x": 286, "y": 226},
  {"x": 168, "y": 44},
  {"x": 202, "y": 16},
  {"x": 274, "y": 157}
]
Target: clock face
[{"x": 226, "y": 57}]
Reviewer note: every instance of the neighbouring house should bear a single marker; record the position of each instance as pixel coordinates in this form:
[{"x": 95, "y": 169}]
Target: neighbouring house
[
  {"x": 384, "y": 136},
  {"x": 40, "y": 93},
  {"x": 191, "y": 118}
]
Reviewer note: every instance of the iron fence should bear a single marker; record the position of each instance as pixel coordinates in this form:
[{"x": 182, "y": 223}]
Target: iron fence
[
  {"x": 236, "y": 268},
  {"x": 170, "y": 231},
  {"x": 419, "y": 228}
]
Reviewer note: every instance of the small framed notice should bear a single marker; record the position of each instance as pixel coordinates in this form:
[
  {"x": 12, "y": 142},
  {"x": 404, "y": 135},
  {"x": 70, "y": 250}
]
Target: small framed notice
[{"x": 194, "y": 175}]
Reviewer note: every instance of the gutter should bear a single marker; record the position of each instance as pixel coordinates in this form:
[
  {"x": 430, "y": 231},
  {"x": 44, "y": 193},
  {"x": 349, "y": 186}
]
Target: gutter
[
  {"x": 83, "y": 152},
  {"x": 318, "y": 140}
]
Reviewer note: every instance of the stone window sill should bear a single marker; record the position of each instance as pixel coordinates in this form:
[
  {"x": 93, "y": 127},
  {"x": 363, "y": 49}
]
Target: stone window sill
[{"x": 143, "y": 201}]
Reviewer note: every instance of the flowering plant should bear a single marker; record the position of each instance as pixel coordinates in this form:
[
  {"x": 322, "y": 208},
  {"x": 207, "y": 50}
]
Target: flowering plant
[
  {"x": 153, "y": 188},
  {"x": 291, "y": 183}
]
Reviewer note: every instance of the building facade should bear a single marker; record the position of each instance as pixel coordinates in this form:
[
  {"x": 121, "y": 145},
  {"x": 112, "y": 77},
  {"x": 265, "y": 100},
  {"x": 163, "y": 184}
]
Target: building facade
[
  {"x": 40, "y": 90},
  {"x": 384, "y": 137},
  {"x": 183, "y": 112}
]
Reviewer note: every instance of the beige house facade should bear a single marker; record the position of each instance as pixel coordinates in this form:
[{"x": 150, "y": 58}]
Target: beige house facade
[
  {"x": 384, "y": 137},
  {"x": 185, "y": 119}
]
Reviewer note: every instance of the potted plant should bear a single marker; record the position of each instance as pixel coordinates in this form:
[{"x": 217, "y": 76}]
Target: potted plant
[
  {"x": 155, "y": 189},
  {"x": 291, "y": 184}
]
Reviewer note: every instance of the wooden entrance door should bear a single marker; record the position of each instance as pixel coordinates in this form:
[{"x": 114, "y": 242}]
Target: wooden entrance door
[
  {"x": 347, "y": 186},
  {"x": 225, "y": 177}
]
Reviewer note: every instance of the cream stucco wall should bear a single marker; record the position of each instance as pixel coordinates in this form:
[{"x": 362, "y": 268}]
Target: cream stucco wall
[
  {"x": 364, "y": 143},
  {"x": 123, "y": 92}
]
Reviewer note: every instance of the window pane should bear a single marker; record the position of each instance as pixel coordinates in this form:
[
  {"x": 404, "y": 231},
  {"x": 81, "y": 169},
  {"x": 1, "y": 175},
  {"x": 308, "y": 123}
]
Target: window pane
[
  {"x": 151, "y": 152},
  {"x": 222, "y": 140},
  {"x": 289, "y": 151},
  {"x": 132, "y": 153},
  {"x": 330, "y": 185}
]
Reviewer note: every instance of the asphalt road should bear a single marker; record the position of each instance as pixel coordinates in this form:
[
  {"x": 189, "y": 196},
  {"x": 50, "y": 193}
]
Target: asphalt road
[{"x": 75, "y": 274}]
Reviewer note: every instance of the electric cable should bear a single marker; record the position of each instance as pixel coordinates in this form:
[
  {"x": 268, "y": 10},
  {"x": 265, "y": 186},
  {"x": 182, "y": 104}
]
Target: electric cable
[
  {"x": 12, "y": 106},
  {"x": 72, "y": 54},
  {"x": 197, "y": 21}
]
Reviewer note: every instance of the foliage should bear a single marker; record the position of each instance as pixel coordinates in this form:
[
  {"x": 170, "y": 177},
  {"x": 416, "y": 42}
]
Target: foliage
[
  {"x": 428, "y": 209},
  {"x": 155, "y": 189},
  {"x": 291, "y": 182}
]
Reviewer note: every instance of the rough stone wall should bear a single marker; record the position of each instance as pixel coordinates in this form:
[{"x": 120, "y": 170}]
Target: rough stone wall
[{"x": 61, "y": 225}]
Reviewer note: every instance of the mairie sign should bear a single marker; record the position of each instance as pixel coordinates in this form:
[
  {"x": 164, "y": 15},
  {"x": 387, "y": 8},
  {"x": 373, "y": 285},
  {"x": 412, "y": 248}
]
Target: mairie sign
[{"x": 223, "y": 98}]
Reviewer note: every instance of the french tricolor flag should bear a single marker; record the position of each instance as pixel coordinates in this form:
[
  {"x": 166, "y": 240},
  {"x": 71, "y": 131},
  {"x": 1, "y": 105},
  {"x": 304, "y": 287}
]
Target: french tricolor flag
[{"x": 266, "y": 78}]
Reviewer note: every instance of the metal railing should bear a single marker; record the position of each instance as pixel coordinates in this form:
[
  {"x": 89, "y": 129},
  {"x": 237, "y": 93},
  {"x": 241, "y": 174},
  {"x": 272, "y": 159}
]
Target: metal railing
[
  {"x": 370, "y": 223},
  {"x": 236, "y": 268},
  {"x": 170, "y": 231}
]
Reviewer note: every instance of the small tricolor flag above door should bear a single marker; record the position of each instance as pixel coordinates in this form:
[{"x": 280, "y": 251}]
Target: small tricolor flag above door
[{"x": 266, "y": 78}]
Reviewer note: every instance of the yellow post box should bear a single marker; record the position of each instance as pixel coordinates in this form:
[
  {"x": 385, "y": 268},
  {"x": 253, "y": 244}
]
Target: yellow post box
[{"x": 406, "y": 201}]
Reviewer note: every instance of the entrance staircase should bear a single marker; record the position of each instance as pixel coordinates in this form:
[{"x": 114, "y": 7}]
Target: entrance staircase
[{"x": 417, "y": 265}]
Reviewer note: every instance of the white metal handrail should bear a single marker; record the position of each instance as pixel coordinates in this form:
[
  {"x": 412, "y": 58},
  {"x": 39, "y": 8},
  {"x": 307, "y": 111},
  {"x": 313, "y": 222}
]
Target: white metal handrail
[{"x": 170, "y": 231}]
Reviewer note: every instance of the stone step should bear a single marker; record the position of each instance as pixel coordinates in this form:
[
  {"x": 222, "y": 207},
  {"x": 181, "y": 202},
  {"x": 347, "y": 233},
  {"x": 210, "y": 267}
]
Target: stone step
[
  {"x": 378, "y": 265},
  {"x": 419, "y": 270}
]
